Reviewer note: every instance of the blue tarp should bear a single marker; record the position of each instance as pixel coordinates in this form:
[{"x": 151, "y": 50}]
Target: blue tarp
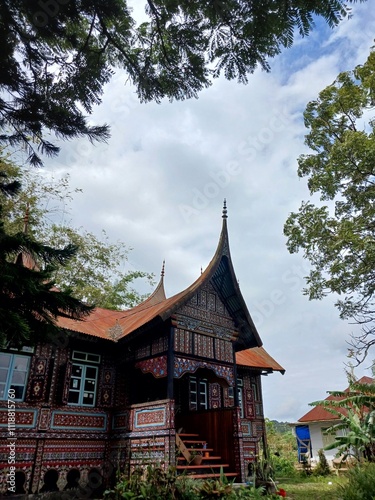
[{"x": 303, "y": 441}]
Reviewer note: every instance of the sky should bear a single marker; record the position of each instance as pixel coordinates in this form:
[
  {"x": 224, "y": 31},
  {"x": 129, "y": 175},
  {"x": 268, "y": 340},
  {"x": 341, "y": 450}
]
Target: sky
[{"x": 160, "y": 181}]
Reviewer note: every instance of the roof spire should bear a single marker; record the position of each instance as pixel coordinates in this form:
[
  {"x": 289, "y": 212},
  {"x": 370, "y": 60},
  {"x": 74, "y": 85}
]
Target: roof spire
[
  {"x": 162, "y": 269},
  {"x": 225, "y": 211}
]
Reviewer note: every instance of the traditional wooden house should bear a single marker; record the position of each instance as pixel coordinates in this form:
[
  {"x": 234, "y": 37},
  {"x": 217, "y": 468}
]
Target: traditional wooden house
[{"x": 121, "y": 388}]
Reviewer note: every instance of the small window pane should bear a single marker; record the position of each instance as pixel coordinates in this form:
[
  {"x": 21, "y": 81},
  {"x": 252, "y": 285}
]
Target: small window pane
[
  {"x": 73, "y": 397},
  {"x": 27, "y": 348},
  {"x": 2, "y": 391},
  {"x": 90, "y": 372},
  {"x": 79, "y": 355},
  {"x": 75, "y": 383},
  {"x": 19, "y": 378},
  {"x": 88, "y": 398},
  {"x": 5, "y": 360},
  {"x": 21, "y": 363},
  {"x": 3, "y": 375},
  {"x": 18, "y": 390},
  {"x": 93, "y": 357},
  {"x": 77, "y": 370},
  {"x": 89, "y": 385}
]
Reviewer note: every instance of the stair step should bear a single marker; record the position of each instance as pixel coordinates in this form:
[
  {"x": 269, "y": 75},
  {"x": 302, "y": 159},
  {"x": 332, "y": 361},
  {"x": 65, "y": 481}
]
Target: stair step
[
  {"x": 202, "y": 450},
  {"x": 211, "y": 457},
  {"x": 209, "y": 466},
  {"x": 194, "y": 441},
  {"x": 188, "y": 435},
  {"x": 206, "y": 476}
]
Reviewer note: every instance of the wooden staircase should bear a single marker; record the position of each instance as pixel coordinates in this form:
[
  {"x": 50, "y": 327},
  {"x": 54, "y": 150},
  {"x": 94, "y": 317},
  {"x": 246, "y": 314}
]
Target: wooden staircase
[{"x": 211, "y": 465}]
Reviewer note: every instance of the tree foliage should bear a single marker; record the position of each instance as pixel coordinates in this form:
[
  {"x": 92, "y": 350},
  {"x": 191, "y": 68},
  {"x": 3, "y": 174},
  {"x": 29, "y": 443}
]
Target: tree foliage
[
  {"x": 337, "y": 236},
  {"x": 57, "y": 55},
  {"x": 29, "y": 302},
  {"x": 97, "y": 272},
  {"x": 282, "y": 448}
]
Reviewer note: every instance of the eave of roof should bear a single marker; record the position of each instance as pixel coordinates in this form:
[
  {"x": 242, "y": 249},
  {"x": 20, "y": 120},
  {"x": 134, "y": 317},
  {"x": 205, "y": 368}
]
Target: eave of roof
[{"x": 258, "y": 357}]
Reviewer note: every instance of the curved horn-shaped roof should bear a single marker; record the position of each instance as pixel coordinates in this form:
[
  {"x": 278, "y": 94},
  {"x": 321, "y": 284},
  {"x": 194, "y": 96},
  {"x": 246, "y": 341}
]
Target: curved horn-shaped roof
[{"x": 220, "y": 272}]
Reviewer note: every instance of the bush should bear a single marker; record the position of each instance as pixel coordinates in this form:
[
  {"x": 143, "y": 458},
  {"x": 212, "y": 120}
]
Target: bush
[
  {"x": 284, "y": 466},
  {"x": 156, "y": 483},
  {"x": 322, "y": 468},
  {"x": 361, "y": 485}
]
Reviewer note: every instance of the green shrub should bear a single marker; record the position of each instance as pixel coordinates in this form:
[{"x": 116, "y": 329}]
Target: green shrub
[
  {"x": 361, "y": 484},
  {"x": 284, "y": 466},
  {"x": 146, "y": 483},
  {"x": 322, "y": 468}
]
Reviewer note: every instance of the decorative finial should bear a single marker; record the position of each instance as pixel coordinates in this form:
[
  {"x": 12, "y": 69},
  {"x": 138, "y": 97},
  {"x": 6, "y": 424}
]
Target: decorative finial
[
  {"x": 115, "y": 331},
  {"x": 225, "y": 211},
  {"x": 162, "y": 269},
  {"x": 201, "y": 270}
]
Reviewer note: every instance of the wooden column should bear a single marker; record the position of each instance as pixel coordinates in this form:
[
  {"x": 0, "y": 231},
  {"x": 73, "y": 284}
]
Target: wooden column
[
  {"x": 170, "y": 364},
  {"x": 235, "y": 395}
]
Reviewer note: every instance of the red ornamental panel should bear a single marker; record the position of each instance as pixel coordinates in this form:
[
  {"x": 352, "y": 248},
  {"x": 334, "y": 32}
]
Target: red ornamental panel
[
  {"x": 249, "y": 404},
  {"x": 37, "y": 387},
  {"x": 215, "y": 396},
  {"x": 77, "y": 420},
  {"x": 156, "y": 366}
]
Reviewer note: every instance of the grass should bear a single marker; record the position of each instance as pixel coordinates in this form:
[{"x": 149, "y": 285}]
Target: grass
[{"x": 326, "y": 488}]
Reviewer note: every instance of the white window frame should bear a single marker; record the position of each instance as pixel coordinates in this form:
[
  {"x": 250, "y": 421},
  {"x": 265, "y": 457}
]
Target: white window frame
[
  {"x": 84, "y": 362},
  {"x": 328, "y": 438},
  {"x": 11, "y": 370},
  {"x": 198, "y": 389}
]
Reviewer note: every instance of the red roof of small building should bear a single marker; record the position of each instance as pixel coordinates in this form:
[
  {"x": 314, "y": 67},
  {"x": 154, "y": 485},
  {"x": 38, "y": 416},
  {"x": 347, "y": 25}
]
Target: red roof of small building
[{"x": 320, "y": 414}]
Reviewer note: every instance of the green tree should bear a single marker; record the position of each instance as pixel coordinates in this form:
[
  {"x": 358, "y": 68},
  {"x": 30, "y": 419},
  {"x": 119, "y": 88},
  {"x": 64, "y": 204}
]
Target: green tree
[
  {"x": 96, "y": 273},
  {"x": 29, "y": 302},
  {"x": 57, "y": 55},
  {"x": 355, "y": 408},
  {"x": 337, "y": 236},
  {"x": 282, "y": 448}
]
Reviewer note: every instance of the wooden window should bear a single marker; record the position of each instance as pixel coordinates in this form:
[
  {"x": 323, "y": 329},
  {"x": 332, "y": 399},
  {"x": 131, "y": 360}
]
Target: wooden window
[
  {"x": 83, "y": 379},
  {"x": 198, "y": 394},
  {"x": 327, "y": 438},
  {"x": 14, "y": 369}
]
